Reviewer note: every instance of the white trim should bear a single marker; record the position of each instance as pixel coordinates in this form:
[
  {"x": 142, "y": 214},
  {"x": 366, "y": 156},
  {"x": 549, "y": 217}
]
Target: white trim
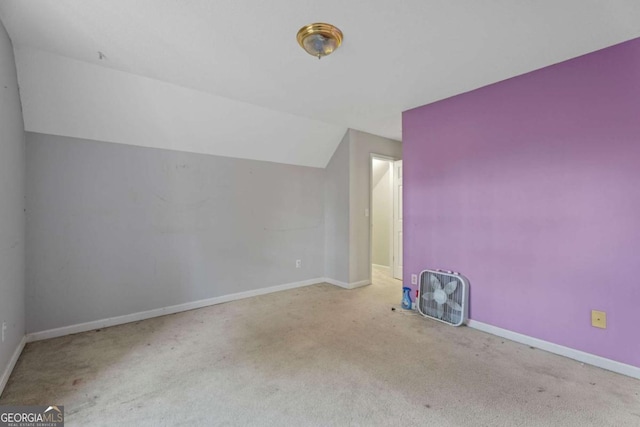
[
  {"x": 134, "y": 317},
  {"x": 337, "y": 283},
  {"x": 397, "y": 220},
  {"x": 359, "y": 284},
  {"x": 390, "y": 160},
  {"x": 581, "y": 356},
  {"x": 12, "y": 364},
  {"x": 382, "y": 267},
  {"x": 344, "y": 285}
]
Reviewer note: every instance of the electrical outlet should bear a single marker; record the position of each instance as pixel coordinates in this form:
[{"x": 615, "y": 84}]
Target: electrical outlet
[
  {"x": 414, "y": 279},
  {"x": 4, "y": 328},
  {"x": 298, "y": 263},
  {"x": 598, "y": 319}
]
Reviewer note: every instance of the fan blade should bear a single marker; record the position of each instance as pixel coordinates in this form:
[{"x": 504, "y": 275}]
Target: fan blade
[
  {"x": 450, "y": 287},
  {"x": 428, "y": 296},
  {"x": 440, "y": 312},
  {"x": 435, "y": 283},
  {"x": 454, "y": 305}
]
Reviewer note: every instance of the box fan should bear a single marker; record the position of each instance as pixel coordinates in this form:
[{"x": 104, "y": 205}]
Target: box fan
[{"x": 444, "y": 296}]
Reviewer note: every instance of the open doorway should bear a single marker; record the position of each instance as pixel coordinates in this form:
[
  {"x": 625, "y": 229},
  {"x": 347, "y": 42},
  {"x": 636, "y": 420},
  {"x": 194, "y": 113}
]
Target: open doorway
[{"x": 386, "y": 216}]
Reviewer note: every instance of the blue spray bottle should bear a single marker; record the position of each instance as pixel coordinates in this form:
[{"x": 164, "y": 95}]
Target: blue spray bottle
[{"x": 406, "y": 298}]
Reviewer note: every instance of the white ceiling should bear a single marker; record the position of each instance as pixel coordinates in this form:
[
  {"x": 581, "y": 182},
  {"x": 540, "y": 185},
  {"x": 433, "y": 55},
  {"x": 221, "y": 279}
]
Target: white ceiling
[
  {"x": 61, "y": 96},
  {"x": 396, "y": 55}
]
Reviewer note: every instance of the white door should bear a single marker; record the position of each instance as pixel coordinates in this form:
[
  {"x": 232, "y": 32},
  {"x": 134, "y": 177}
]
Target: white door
[{"x": 397, "y": 219}]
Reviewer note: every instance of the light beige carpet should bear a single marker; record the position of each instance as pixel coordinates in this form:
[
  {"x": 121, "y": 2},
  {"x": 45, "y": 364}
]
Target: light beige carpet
[{"x": 319, "y": 355}]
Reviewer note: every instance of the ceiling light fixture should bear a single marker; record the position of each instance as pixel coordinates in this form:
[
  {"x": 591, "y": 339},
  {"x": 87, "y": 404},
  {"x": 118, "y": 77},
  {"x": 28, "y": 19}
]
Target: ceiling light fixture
[{"x": 319, "y": 39}]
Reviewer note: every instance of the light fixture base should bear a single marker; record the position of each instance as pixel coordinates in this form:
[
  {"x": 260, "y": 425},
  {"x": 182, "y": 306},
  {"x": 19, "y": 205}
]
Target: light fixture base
[{"x": 319, "y": 39}]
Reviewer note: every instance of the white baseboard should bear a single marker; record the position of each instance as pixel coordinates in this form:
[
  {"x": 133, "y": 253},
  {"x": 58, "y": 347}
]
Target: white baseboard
[
  {"x": 134, "y": 317},
  {"x": 12, "y": 363},
  {"x": 359, "y": 284},
  {"x": 581, "y": 356},
  {"x": 352, "y": 285},
  {"x": 382, "y": 267}
]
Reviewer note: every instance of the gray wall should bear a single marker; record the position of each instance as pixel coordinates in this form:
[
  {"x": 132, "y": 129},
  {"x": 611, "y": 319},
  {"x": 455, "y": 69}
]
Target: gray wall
[
  {"x": 336, "y": 198},
  {"x": 12, "y": 203},
  {"x": 362, "y": 145},
  {"x": 116, "y": 229},
  {"x": 381, "y": 213}
]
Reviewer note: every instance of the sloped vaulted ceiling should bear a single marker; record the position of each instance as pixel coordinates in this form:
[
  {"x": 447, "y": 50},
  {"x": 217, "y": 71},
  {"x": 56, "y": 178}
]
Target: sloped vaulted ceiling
[{"x": 227, "y": 77}]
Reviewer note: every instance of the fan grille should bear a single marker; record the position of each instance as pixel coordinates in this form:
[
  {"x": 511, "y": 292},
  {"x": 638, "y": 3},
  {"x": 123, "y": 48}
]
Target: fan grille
[{"x": 443, "y": 312}]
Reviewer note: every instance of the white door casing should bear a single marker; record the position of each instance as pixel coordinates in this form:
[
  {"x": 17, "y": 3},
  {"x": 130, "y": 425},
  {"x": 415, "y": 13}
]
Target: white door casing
[{"x": 397, "y": 219}]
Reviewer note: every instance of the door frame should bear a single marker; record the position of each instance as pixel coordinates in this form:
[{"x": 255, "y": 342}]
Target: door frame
[
  {"x": 398, "y": 178},
  {"x": 390, "y": 160}
]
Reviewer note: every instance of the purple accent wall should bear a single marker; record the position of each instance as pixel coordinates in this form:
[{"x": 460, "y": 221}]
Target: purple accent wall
[{"x": 531, "y": 188}]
